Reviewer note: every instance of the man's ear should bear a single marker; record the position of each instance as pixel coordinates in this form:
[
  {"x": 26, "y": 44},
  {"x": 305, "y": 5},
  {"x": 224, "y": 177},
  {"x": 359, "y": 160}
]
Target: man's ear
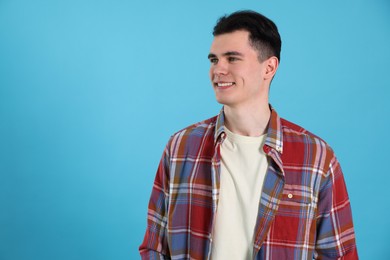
[{"x": 271, "y": 66}]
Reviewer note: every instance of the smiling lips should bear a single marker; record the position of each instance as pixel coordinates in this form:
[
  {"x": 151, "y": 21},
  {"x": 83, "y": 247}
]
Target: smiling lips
[{"x": 224, "y": 85}]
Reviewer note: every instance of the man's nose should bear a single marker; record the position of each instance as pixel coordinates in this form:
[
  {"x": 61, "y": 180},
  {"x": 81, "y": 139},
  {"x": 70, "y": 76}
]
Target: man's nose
[{"x": 220, "y": 68}]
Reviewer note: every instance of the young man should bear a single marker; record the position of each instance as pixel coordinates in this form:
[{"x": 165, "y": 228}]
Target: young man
[{"x": 247, "y": 184}]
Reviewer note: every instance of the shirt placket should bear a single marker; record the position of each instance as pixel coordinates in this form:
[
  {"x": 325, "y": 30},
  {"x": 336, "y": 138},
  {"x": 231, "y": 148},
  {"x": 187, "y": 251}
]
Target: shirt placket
[
  {"x": 215, "y": 175},
  {"x": 263, "y": 223}
]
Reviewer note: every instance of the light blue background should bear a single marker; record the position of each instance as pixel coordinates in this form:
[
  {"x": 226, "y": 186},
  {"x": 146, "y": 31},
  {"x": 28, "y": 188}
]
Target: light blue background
[{"x": 90, "y": 92}]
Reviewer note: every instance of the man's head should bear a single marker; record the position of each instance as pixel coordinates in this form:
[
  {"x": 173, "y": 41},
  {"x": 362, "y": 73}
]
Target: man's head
[
  {"x": 263, "y": 33},
  {"x": 244, "y": 57}
]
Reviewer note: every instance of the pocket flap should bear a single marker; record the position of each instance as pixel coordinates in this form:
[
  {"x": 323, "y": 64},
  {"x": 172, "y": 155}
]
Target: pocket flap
[{"x": 297, "y": 194}]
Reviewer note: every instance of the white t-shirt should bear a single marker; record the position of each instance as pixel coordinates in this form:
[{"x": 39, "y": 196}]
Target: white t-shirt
[{"x": 243, "y": 168}]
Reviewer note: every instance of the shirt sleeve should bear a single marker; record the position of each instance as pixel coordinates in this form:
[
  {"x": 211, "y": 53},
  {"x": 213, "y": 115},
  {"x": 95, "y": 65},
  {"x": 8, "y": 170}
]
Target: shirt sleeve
[
  {"x": 335, "y": 232},
  {"x": 155, "y": 245}
]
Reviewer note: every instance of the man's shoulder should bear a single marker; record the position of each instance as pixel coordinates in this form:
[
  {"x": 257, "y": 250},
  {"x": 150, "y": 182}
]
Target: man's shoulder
[
  {"x": 195, "y": 133},
  {"x": 288, "y": 126},
  {"x": 198, "y": 127},
  {"x": 302, "y": 147},
  {"x": 300, "y": 133}
]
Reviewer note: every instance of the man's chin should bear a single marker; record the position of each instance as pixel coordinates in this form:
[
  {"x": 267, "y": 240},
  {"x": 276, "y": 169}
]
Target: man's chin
[{"x": 223, "y": 101}]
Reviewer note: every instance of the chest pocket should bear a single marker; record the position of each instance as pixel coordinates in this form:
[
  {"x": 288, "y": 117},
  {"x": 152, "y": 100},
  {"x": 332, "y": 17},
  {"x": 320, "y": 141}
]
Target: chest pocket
[
  {"x": 295, "y": 213},
  {"x": 296, "y": 195}
]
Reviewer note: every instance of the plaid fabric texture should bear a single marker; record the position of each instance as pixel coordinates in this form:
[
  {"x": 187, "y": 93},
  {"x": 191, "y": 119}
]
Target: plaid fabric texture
[{"x": 304, "y": 210}]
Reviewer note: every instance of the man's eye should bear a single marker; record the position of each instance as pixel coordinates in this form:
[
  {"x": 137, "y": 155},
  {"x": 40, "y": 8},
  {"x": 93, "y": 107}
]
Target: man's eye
[
  {"x": 232, "y": 59},
  {"x": 214, "y": 61}
]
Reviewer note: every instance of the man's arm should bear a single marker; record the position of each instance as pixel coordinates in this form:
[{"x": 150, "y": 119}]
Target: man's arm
[
  {"x": 335, "y": 232},
  {"x": 155, "y": 245}
]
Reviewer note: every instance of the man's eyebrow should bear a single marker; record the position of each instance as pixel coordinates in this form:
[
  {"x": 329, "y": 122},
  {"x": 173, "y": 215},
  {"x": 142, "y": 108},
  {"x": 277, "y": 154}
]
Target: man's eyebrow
[
  {"x": 211, "y": 55},
  {"x": 228, "y": 53},
  {"x": 232, "y": 53}
]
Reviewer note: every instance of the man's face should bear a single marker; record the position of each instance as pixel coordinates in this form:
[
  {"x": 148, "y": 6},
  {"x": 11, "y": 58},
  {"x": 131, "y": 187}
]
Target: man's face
[{"x": 236, "y": 73}]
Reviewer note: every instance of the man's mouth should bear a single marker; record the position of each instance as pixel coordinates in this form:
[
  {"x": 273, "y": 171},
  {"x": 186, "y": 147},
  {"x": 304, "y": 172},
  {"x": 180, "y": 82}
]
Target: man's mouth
[{"x": 223, "y": 85}]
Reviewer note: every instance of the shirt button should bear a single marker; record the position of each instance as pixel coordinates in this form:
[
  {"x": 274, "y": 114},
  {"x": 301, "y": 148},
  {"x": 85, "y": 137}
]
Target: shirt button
[{"x": 289, "y": 195}]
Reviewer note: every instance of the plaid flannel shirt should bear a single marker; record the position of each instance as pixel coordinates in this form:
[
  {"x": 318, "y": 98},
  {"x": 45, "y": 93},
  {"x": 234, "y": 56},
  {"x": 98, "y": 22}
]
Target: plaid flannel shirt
[{"x": 304, "y": 210}]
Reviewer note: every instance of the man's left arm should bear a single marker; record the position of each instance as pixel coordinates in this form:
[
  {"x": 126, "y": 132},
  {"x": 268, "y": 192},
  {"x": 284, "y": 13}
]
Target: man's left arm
[{"x": 335, "y": 231}]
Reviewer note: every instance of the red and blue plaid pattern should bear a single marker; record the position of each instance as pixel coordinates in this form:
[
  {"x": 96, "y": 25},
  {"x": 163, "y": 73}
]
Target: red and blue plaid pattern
[{"x": 304, "y": 209}]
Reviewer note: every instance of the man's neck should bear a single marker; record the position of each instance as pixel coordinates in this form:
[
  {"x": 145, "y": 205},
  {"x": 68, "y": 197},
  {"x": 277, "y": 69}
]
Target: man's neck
[{"x": 248, "y": 121}]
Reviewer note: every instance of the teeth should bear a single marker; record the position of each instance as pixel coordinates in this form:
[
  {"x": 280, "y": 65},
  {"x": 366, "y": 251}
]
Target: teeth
[{"x": 225, "y": 84}]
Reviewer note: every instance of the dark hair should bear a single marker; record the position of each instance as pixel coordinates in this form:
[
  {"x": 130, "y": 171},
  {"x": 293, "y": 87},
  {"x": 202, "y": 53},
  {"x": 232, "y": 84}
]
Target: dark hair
[{"x": 263, "y": 33}]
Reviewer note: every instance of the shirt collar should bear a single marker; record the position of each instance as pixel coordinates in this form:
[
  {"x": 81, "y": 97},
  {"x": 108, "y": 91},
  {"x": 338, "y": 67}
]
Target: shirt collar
[
  {"x": 274, "y": 137},
  {"x": 219, "y": 127},
  {"x": 275, "y": 132}
]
